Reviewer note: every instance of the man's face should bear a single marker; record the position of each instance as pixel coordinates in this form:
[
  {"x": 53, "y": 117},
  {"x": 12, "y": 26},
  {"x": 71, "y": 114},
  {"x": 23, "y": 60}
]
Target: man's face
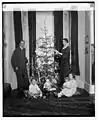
[
  {"x": 64, "y": 42},
  {"x": 22, "y": 44}
]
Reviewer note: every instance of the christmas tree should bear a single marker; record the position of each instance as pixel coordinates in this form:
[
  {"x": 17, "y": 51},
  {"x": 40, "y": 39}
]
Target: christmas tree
[{"x": 45, "y": 54}]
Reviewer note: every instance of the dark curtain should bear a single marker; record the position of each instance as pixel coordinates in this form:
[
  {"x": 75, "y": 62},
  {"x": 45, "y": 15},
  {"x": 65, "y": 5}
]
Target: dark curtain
[
  {"x": 32, "y": 37},
  {"x": 17, "y": 27},
  {"x": 58, "y": 29},
  {"x": 74, "y": 43},
  {"x": 58, "y": 34},
  {"x": 3, "y": 45}
]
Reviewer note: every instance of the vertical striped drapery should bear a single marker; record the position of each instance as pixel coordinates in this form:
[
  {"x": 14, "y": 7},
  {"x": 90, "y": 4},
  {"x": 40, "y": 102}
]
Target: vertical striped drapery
[
  {"x": 32, "y": 38},
  {"x": 14, "y": 30},
  {"x": 58, "y": 29},
  {"x": 58, "y": 32},
  {"x": 17, "y": 27},
  {"x": 74, "y": 43},
  {"x": 25, "y": 31},
  {"x": 3, "y": 51}
]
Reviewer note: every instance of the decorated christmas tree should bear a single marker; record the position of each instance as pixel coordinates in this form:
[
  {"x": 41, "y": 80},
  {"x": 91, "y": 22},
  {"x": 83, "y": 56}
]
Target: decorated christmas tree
[{"x": 45, "y": 54}]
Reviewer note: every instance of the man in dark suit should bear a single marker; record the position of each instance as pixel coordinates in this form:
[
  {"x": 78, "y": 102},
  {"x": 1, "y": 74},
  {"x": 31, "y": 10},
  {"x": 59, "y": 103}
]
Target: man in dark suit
[{"x": 19, "y": 62}]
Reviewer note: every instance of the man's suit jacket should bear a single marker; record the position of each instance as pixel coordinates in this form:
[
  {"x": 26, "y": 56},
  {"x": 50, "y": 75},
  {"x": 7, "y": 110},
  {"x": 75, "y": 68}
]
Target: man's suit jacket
[{"x": 18, "y": 59}]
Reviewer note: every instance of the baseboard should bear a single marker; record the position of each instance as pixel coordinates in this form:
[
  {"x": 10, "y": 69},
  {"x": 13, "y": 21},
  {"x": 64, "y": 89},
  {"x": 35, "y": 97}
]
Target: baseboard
[
  {"x": 89, "y": 88},
  {"x": 92, "y": 89}
]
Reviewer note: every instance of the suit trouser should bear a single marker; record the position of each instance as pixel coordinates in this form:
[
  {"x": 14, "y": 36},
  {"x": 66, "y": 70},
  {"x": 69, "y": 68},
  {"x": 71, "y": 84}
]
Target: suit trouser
[
  {"x": 64, "y": 72},
  {"x": 22, "y": 80}
]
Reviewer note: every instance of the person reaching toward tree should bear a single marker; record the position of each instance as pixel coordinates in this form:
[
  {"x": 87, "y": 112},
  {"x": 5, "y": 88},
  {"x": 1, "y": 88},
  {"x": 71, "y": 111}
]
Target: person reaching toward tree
[{"x": 64, "y": 57}]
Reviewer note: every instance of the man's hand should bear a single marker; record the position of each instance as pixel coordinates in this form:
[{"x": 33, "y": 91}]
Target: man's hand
[
  {"x": 27, "y": 64},
  {"x": 57, "y": 52}
]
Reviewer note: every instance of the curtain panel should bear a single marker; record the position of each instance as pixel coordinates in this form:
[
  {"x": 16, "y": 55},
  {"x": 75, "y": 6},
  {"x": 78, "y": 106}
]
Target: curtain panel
[
  {"x": 17, "y": 27},
  {"x": 32, "y": 39},
  {"x": 74, "y": 43}
]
